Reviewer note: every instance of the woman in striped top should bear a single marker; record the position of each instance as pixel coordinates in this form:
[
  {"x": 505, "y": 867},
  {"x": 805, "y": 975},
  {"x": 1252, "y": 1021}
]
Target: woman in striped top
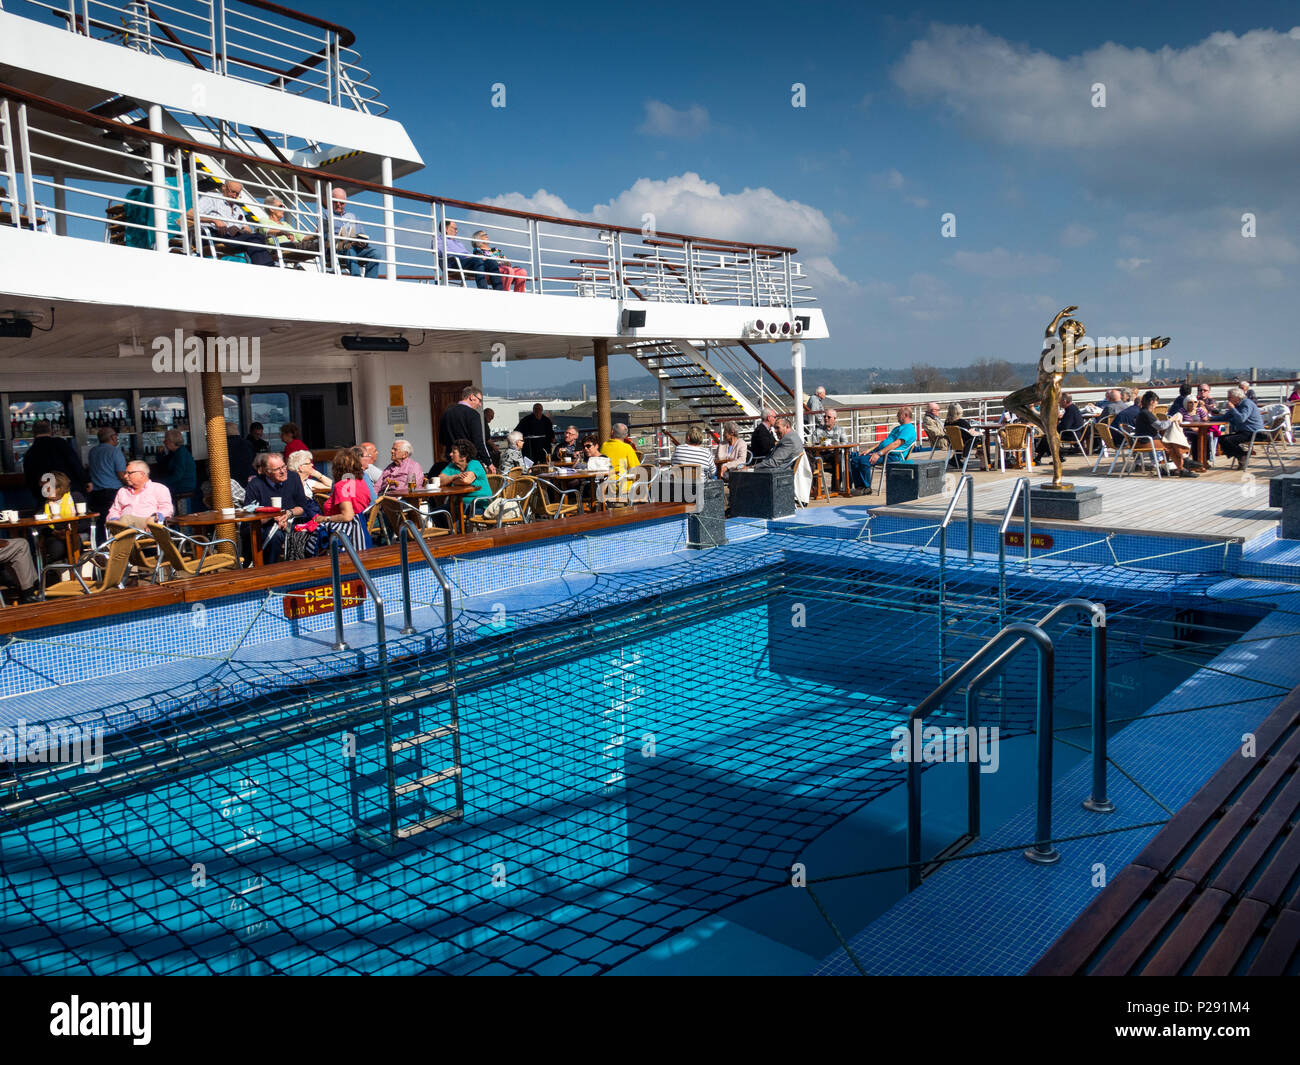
[{"x": 694, "y": 453}]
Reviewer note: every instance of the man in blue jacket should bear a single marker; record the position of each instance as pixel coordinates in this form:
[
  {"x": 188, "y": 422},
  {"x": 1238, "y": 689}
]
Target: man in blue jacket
[
  {"x": 294, "y": 502},
  {"x": 1244, "y": 418}
]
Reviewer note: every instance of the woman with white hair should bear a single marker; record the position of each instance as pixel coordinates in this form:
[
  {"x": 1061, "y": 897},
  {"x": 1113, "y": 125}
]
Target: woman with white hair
[
  {"x": 301, "y": 463},
  {"x": 513, "y": 457}
]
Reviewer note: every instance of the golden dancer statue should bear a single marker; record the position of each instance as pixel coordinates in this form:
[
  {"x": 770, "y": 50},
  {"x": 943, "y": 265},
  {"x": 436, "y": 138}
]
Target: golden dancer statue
[{"x": 1065, "y": 350}]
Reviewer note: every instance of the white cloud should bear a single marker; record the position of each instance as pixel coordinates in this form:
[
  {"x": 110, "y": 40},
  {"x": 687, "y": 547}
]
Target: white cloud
[
  {"x": 1176, "y": 121},
  {"x": 688, "y": 204},
  {"x": 661, "y": 120},
  {"x": 1132, "y": 265},
  {"x": 893, "y": 179},
  {"x": 1000, "y": 263}
]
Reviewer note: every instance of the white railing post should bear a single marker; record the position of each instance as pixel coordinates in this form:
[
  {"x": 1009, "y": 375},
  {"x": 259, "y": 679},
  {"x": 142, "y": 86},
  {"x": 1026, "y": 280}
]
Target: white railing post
[
  {"x": 535, "y": 251},
  {"x": 329, "y": 218},
  {"x": 390, "y": 239},
  {"x": 690, "y": 270},
  {"x": 219, "y": 38},
  {"x": 194, "y": 198},
  {"x": 789, "y": 281},
  {"x": 158, "y": 177},
  {"x": 11, "y": 171},
  {"x": 618, "y": 257},
  {"x": 180, "y": 201},
  {"x": 753, "y": 276},
  {"x": 439, "y": 267},
  {"x": 25, "y": 144}
]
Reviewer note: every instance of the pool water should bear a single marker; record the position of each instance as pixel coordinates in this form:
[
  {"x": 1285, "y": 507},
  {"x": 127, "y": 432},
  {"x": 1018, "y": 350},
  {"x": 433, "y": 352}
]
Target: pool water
[{"x": 637, "y": 795}]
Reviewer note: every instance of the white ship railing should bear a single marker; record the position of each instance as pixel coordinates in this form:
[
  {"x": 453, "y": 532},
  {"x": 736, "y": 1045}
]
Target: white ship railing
[
  {"x": 250, "y": 40},
  {"x": 81, "y": 175}
]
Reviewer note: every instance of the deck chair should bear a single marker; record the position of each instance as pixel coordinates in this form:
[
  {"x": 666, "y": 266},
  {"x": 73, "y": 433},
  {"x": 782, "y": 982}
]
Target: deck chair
[
  {"x": 1268, "y": 439},
  {"x": 565, "y": 503},
  {"x": 393, "y": 511},
  {"x": 171, "y": 558},
  {"x": 1108, "y": 443},
  {"x": 1140, "y": 447},
  {"x": 1013, "y": 445},
  {"x": 111, "y": 561},
  {"x": 959, "y": 445},
  {"x": 511, "y": 504}
]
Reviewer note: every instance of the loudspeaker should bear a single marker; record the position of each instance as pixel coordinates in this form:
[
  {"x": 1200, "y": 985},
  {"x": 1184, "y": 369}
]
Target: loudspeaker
[{"x": 633, "y": 319}]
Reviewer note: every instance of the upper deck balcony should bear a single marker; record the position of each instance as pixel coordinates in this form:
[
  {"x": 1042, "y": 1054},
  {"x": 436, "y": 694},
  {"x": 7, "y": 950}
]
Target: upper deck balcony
[
  {"x": 142, "y": 204},
  {"x": 248, "y": 40}
]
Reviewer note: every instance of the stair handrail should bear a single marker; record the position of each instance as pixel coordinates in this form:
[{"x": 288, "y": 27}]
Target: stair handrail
[
  {"x": 770, "y": 372},
  {"x": 1042, "y": 852},
  {"x": 965, "y": 485},
  {"x": 1022, "y": 484},
  {"x": 1097, "y": 801}
]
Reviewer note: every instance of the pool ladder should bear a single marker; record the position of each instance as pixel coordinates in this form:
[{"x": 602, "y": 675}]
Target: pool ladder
[
  {"x": 976, "y": 672},
  {"x": 415, "y": 783}
]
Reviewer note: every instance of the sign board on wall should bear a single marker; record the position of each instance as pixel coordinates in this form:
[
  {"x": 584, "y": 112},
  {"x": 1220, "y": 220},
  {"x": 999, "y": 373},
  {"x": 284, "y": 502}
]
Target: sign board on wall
[
  {"x": 320, "y": 600},
  {"x": 396, "y": 397},
  {"x": 1038, "y": 541},
  {"x": 397, "y": 416}
]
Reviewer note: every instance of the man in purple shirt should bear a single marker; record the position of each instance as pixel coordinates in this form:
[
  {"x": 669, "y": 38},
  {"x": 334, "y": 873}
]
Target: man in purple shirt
[
  {"x": 141, "y": 498},
  {"x": 456, "y": 256},
  {"x": 399, "y": 473}
]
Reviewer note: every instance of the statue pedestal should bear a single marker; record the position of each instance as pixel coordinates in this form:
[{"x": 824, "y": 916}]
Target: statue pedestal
[{"x": 1074, "y": 503}]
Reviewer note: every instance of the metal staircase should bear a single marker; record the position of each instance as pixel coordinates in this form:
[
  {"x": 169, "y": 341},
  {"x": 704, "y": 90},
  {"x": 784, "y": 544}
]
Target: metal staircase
[{"x": 718, "y": 382}]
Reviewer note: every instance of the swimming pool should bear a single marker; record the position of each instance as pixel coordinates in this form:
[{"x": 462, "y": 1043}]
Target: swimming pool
[{"x": 639, "y": 781}]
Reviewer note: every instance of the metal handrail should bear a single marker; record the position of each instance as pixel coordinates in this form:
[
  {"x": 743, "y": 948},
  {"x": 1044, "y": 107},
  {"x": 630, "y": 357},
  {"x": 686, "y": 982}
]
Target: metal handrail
[
  {"x": 1097, "y": 801},
  {"x": 1021, "y": 485},
  {"x": 408, "y": 529},
  {"x": 1042, "y": 852},
  {"x": 966, "y": 485}
]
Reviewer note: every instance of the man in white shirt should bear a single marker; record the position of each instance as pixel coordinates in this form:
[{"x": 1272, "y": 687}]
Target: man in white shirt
[{"x": 221, "y": 217}]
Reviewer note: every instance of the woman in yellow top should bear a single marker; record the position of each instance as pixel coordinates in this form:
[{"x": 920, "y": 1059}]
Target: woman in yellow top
[{"x": 622, "y": 456}]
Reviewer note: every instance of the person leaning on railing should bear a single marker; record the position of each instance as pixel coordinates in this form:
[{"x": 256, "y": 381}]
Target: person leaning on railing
[{"x": 901, "y": 440}]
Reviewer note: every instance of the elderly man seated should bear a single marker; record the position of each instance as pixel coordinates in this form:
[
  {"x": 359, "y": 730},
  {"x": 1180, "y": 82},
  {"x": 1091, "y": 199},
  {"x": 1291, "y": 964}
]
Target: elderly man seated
[
  {"x": 832, "y": 432},
  {"x": 18, "y": 557},
  {"x": 141, "y": 499},
  {"x": 899, "y": 442},
  {"x": 1244, "y": 420},
  {"x": 788, "y": 448},
  {"x": 350, "y": 241},
  {"x": 932, "y": 424},
  {"x": 402, "y": 472},
  {"x": 222, "y": 218},
  {"x": 568, "y": 450},
  {"x": 621, "y": 454},
  {"x": 294, "y": 504}
]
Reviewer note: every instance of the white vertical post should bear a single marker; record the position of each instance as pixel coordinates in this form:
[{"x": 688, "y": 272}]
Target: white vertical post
[
  {"x": 158, "y": 176},
  {"x": 535, "y": 252},
  {"x": 11, "y": 171},
  {"x": 796, "y": 357},
  {"x": 61, "y": 204},
  {"x": 390, "y": 245},
  {"x": 25, "y": 143}
]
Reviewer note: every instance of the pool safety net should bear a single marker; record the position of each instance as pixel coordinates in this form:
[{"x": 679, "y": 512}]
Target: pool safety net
[{"x": 617, "y": 766}]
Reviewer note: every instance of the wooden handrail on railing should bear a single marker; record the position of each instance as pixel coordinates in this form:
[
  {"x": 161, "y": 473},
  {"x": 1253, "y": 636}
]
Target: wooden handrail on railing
[{"x": 74, "y": 114}]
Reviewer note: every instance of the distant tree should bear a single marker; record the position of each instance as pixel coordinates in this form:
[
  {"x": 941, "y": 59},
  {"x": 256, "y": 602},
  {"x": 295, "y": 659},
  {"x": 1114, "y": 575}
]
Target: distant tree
[
  {"x": 990, "y": 375},
  {"x": 1076, "y": 380},
  {"x": 927, "y": 378}
]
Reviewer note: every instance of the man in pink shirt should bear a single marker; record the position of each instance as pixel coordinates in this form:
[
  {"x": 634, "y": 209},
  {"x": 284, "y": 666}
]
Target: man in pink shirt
[{"x": 141, "y": 498}]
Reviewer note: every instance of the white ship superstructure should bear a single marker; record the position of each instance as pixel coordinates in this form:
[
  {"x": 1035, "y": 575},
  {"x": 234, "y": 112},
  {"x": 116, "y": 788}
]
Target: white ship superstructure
[{"x": 118, "y": 119}]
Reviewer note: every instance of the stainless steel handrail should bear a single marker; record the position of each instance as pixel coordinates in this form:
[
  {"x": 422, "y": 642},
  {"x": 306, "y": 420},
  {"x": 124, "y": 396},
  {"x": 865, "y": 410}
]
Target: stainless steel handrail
[
  {"x": 1042, "y": 851},
  {"x": 967, "y": 485},
  {"x": 1022, "y": 484},
  {"x": 1096, "y": 613},
  {"x": 408, "y": 529}
]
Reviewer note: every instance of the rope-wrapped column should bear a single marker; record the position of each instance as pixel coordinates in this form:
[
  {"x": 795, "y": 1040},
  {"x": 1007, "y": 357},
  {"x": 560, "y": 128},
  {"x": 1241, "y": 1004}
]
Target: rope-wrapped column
[
  {"x": 214, "y": 416},
  {"x": 603, "y": 421}
]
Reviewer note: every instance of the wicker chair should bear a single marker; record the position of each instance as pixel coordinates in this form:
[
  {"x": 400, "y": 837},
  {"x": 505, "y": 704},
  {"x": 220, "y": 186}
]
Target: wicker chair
[
  {"x": 173, "y": 560},
  {"x": 1013, "y": 440},
  {"x": 112, "y": 561},
  {"x": 557, "y": 506},
  {"x": 515, "y": 502}
]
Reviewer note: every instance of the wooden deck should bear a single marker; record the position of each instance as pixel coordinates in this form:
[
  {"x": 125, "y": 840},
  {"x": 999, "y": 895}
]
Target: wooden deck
[
  {"x": 1214, "y": 893},
  {"x": 1221, "y": 504}
]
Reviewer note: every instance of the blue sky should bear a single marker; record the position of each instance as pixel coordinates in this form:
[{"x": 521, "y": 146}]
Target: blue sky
[{"x": 1132, "y": 211}]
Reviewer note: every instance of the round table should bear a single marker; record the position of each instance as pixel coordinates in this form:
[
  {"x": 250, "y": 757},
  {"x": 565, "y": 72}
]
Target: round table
[
  {"x": 35, "y": 525},
  {"x": 585, "y": 478},
  {"x": 214, "y": 518},
  {"x": 1199, "y": 435},
  {"x": 456, "y": 493},
  {"x": 841, "y": 460}
]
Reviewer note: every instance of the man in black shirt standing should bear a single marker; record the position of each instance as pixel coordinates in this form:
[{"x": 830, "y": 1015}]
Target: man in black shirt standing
[
  {"x": 539, "y": 434},
  {"x": 462, "y": 422},
  {"x": 763, "y": 441},
  {"x": 51, "y": 454}
]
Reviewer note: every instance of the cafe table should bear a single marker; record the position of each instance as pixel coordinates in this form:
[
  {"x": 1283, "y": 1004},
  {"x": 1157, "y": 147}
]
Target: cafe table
[
  {"x": 33, "y": 526},
  {"x": 839, "y": 456},
  {"x": 213, "y": 518},
  {"x": 1200, "y": 435},
  {"x": 990, "y": 428},
  {"x": 585, "y": 481},
  {"x": 453, "y": 493}
]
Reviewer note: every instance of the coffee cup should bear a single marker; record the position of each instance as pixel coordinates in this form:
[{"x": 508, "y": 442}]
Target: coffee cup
[
  {"x": 227, "y": 512},
  {"x": 11, "y": 515},
  {"x": 81, "y": 508},
  {"x": 275, "y": 502}
]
